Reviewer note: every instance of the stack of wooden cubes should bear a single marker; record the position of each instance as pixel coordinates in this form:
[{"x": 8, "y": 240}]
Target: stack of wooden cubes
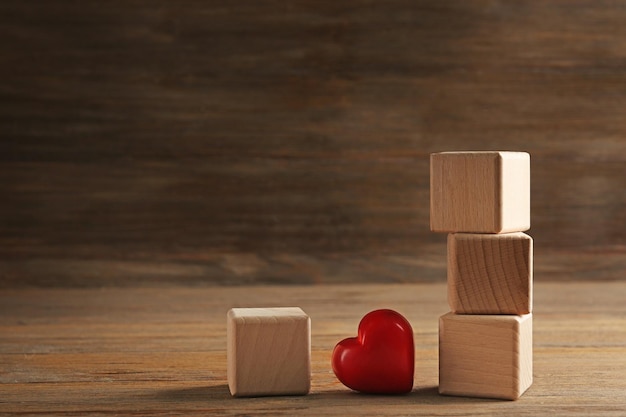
[{"x": 482, "y": 199}]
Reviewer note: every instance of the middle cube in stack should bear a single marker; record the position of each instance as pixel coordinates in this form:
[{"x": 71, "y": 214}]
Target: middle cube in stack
[
  {"x": 490, "y": 274},
  {"x": 483, "y": 200}
]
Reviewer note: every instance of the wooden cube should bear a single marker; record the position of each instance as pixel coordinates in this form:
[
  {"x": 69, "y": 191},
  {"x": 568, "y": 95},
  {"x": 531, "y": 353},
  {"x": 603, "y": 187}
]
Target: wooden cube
[
  {"x": 481, "y": 192},
  {"x": 490, "y": 273},
  {"x": 488, "y": 356},
  {"x": 268, "y": 351}
]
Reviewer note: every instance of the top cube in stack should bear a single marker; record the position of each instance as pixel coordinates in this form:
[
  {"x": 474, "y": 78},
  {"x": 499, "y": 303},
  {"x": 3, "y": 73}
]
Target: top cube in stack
[{"x": 482, "y": 199}]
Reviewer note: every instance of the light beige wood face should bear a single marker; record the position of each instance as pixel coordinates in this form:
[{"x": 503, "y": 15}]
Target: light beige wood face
[
  {"x": 490, "y": 273},
  {"x": 485, "y": 355},
  {"x": 268, "y": 351},
  {"x": 482, "y": 192}
]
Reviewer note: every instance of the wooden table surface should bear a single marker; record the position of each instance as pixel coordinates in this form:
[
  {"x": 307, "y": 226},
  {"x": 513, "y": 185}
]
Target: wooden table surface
[{"x": 154, "y": 350}]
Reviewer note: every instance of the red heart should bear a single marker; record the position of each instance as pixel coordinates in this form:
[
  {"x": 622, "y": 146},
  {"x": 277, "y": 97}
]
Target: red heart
[{"x": 381, "y": 359}]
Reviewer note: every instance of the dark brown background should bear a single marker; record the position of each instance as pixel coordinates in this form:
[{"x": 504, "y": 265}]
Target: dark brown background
[{"x": 152, "y": 142}]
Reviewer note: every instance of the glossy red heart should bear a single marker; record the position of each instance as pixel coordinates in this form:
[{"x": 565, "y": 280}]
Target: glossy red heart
[{"x": 381, "y": 359}]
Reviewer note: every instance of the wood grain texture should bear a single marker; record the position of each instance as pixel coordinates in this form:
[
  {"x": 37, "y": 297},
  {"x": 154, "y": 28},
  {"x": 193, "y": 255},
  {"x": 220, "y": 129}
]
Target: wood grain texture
[
  {"x": 481, "y": 192},
  {"x": 193, "y": 142},
  {"x": 490, "y": 273},
  {"x": 487, "y": 356},
  {"x": 162, "y": 351},
  {"x": 268, "y": 351}
]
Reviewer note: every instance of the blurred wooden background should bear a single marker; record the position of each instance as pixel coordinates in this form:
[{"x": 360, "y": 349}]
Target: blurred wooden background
[{"x": 156, "y": 142}]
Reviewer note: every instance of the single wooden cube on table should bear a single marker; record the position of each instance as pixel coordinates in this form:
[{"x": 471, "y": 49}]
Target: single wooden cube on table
[
  {"x": 480, "y": 192},
  {"x": 488, "y": 356},
  {"x": 268, "y": 351},
  {"x": 490, "y": 273}
]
